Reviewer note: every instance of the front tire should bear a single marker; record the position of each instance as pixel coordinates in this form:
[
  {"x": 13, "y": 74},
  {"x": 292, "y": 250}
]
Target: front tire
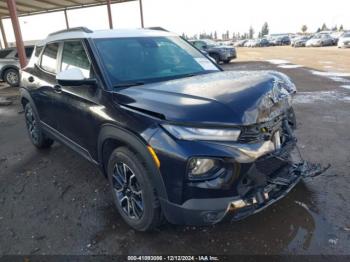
[
  {"x": 11, "y": 76},
  {"x": 36, "y": 135},
  {"x": 133, "y": 192}
]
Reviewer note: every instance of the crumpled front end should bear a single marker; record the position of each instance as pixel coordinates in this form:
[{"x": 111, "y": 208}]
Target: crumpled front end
[
  {"x": 266, "y": 165},
  {"x": 271, "y": 176}
]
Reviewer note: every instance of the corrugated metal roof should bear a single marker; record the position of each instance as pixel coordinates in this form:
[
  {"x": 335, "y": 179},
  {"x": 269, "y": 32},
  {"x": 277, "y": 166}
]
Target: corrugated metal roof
[{"x": 29, "y": 7}]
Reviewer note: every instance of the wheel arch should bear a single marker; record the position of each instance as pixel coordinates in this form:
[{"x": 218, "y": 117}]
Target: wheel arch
[
  {"x": 7, "y": 67},
  {"x": 112, "y": 137},
  {"x": 26, "y": 98}
]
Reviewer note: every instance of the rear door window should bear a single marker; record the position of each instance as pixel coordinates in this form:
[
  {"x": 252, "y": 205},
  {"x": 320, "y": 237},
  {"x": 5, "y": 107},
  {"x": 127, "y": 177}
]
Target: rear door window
[
  {"x": 29, "y": 51},
  {"x": 49, "y": 58},
  {"x": 74, "y": 56},
  {"x": 5, "y": 53}
]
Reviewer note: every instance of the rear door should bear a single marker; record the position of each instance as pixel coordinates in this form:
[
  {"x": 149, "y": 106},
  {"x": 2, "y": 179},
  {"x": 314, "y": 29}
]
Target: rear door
[{"x": 42, "y": 81}]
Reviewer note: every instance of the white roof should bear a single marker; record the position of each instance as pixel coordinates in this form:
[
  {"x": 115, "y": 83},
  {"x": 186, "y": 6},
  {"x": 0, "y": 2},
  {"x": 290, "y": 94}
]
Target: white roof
[{"x": 115, "y": 33}]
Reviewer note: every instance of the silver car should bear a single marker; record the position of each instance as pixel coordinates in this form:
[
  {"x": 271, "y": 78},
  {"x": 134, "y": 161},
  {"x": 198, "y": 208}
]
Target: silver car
[
  {"x": 320, "y": 40},
  {"x": 344, "y": 40},
  {"x": 9, "y": 64}
]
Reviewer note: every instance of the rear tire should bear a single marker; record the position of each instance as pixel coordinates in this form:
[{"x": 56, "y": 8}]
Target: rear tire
[
  {"x": 133, "y": 192},
  {"x": 11, "y": 76},
  {"x": 36, "y": 135},
  {"x": 227, "y": 61}
]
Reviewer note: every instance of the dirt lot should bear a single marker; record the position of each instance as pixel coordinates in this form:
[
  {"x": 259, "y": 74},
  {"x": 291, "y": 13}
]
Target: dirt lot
[
  {"x": 320, "y": 58},
  {"x": 55, "y": 202}
]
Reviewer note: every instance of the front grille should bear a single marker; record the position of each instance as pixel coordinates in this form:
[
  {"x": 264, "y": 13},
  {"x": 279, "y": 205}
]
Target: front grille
[{"x": 260, "y": 132}]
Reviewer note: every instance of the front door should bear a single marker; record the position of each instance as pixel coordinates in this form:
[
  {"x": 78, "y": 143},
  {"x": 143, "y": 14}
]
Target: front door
[{"x": 76, "y": 104}]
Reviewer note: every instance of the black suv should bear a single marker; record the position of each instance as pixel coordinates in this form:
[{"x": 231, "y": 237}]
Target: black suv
[
  {"x": 176, "y": 136},
  {"x": 220, "y": 53}
]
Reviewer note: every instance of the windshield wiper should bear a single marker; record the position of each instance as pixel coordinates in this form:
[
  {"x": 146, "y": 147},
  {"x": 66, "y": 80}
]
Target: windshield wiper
[{"x": 128, "y": 84}]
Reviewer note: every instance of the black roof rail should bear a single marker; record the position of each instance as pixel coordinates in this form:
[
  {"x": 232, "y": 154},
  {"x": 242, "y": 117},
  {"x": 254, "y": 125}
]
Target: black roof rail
[
  {"x": 157, "y": 28},
  {"x": 73, "y": 29}
]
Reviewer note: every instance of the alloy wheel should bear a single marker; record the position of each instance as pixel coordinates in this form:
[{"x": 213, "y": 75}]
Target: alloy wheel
[
  {"x": 12, "y": 78},
  {"x": 128, "y": 191},
  {"x": 31, "y": 124}
]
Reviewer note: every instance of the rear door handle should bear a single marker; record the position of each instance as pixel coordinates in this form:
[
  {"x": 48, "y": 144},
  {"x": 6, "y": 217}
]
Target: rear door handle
[{"x": 57, "y": 88}]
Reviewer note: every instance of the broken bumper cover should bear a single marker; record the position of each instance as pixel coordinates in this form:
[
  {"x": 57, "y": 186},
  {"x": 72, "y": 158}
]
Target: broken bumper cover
[{"x": 211, "y": 211}]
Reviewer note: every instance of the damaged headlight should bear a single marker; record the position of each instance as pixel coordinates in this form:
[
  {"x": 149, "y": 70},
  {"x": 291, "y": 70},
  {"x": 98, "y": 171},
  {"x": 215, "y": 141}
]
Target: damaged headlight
[{"x": 206, "y": 134}]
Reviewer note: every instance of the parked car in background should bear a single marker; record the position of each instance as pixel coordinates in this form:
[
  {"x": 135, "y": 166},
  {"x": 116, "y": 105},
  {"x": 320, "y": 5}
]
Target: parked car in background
[
  {"x": 264, "y": 42},
  {"x": 260, "y": 42},
  {"x": 240, "y": 43},
  {"x": 300, "y": 41},
  {"x": 294, "y": 38},
  {"x": 220, "y": 53},
  {"x": 336, "y": 35},
  {"x": 320, "y": 40},
  {"x": 250, "y": 43},
  {"x": 280, "y": 40},
  {"x": 344, "y": 40},
  {"x": 9, "y": 64},
  {"x": 225, "y": 43}
]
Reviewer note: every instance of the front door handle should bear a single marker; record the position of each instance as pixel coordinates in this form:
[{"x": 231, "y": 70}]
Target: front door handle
[{"x": 57, "y": 88}]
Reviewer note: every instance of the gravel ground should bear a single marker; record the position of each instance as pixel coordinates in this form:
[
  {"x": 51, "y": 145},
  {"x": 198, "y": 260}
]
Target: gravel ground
[
  {"x": 55, "y": 202},
  {"x": 319, "y": 58}
]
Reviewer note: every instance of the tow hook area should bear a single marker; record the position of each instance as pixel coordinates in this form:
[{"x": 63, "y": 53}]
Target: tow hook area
[
  {"x": 310, "y": 170},
  {"x": 264, "y": 190}
]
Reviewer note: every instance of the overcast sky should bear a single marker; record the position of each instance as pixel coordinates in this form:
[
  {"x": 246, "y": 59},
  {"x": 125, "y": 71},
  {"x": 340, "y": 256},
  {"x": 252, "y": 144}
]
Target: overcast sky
[{"x": 196, "y": 16}]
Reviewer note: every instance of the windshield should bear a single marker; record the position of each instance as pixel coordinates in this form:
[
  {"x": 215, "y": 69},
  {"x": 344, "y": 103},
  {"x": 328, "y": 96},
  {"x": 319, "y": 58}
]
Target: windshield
[{"x": 151, "y": 59}]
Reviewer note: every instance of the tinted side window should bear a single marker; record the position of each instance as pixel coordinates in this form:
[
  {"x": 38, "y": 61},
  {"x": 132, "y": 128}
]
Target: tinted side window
[
  {"x": 74, "y": 56},
  {"x": 4, "y": 53},
  {"x": 49, "y": 57},
  {"x": 29, "y": 51}
]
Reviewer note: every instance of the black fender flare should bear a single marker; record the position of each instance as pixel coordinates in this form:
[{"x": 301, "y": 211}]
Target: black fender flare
[
  {"x": 110, "y": 131},
  {"x": 3, "y": 70},
  {"x": 24, "y": 94}
]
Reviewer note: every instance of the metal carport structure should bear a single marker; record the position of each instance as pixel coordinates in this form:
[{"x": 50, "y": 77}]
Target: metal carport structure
[{"x": 15, "y": 8}]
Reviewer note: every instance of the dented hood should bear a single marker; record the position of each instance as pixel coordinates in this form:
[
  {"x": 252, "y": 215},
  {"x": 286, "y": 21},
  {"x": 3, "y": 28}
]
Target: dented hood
[{"x": 234, "y": 98}]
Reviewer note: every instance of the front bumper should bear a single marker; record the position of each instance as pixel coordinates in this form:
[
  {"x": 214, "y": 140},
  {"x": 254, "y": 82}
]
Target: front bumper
[
  {"x": 344, "y": 45},
  {"x": 252, "y": 199},
  {"x": 299, "y": 44},
  {"x": 228, "y": 55},
  {"x": 202, "y": 212}
]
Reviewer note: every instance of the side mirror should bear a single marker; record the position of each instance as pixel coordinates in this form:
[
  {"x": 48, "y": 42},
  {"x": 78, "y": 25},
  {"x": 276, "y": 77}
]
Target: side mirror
[
  {"x": 205, "y": 47},
  {"x": 73, "y": 77}
]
